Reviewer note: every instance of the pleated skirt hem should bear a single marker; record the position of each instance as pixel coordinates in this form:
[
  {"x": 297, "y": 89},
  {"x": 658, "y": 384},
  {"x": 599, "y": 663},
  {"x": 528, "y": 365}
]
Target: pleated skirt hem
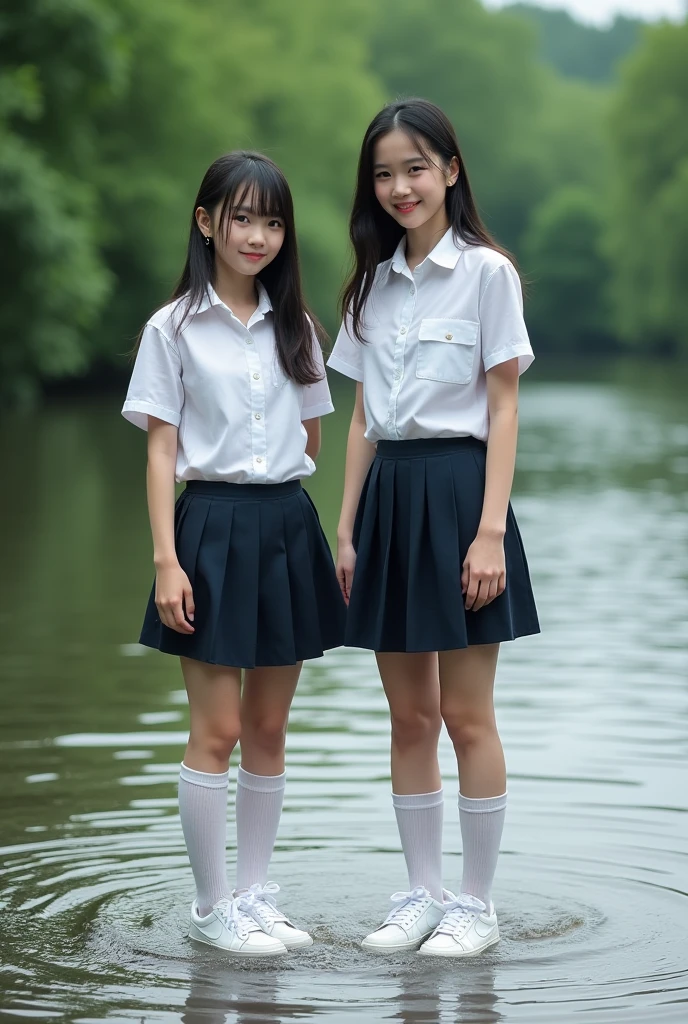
[
  {"x": 418, "y": 514},
  {"x": 264, "y": 583}
]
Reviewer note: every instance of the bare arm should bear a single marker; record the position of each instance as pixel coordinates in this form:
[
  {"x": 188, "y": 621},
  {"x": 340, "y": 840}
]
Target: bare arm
[
  {"x": 172, "y": 588},
  {"x": 484, "y": 571},
  {"x": 502, "y": 400},
  {"x": 314, "y": 436},
  {"x": 359, "y": 455}
]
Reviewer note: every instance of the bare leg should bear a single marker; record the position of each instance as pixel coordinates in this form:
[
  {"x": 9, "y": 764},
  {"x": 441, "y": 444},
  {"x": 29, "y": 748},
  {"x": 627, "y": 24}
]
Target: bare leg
[
  {"x": 214, "y": 695},
  {"x": 214, "y": 700},
  {"x": 411, "y": 685},
  {"x": 265, "y": 704},
  {"x": 467, "y": 686},
  {"x": 412, "y": 688},
  {"x": 467, "y": 694}
]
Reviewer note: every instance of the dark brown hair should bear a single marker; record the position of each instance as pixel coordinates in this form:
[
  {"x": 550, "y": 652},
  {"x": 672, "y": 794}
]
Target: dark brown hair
[
  {"x": 226, "y": 185},
  {"x": 374, "y": 233}
]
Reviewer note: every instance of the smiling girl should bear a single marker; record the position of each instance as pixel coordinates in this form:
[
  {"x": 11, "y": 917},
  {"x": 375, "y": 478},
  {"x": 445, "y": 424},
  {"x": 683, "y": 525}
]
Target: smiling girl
[
  {"x": 430, "y": 559},
  {"x": 229, "y": 382}
]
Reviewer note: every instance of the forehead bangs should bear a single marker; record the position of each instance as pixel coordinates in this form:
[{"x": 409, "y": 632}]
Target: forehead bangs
[
  {"x": 422, "y": 145},
  {"x": 260, "y": 189}
]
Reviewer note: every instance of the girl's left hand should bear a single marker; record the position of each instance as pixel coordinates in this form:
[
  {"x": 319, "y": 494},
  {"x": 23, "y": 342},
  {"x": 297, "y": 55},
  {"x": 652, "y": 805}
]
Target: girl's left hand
[{"x": 484, "y": 572}]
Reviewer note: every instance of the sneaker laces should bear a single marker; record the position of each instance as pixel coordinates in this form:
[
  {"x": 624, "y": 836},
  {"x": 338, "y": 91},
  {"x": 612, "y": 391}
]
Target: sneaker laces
[
  {"x": 235, "y": 915},
  {"x": 260, "y": 903},
  {"x": 410, "y": 907},
  {"x": 459, "y": 915}
]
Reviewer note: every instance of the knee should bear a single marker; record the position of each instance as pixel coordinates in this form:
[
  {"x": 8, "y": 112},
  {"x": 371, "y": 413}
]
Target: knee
[
  {"x": 467, "y": 732},
  {"x": 266, "y": 731},
  {"x": 413, "y": 726},
  {"x": 216, "y": 740}
]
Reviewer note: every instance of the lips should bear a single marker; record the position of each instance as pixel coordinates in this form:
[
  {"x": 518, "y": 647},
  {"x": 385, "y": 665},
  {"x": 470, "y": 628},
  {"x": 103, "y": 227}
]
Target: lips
[
  {"x": 406, "y": 207},
  {"x": 255, "y": 257}
]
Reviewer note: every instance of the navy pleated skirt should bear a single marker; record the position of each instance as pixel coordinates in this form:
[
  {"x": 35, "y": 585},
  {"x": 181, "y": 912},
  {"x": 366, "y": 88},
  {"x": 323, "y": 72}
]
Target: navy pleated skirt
[
  {"x": 264, "y": 583},
  {"x": 418, "y": 514}
]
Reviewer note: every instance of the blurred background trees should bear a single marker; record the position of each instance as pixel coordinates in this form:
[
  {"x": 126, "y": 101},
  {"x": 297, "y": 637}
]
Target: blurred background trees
[{"x": 576, "y": 141}]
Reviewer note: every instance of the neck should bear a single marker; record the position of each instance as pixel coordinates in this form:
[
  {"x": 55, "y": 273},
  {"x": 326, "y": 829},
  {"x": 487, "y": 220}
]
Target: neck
[
  {"x": 421, "y": 241},
  {"x": 235, "y": 289}
]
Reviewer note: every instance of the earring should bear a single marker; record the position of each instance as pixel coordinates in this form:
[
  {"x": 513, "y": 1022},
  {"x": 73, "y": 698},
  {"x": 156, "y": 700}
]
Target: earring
[{"x": 207, "y": 239}]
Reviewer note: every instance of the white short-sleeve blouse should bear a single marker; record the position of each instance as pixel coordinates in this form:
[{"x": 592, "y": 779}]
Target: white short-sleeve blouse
[
  {"x": 240, "y": 418},
  {"x": 431, "y": 335}
]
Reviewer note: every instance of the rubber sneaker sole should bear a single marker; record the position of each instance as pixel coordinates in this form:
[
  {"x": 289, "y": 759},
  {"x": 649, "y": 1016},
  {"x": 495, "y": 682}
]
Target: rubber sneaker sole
[
  {"x": 456, "y": 952},
  {"x": 400, "y": 947},
  {"x": 297, "y": 943},
  {"x": 278, "y": 950}
]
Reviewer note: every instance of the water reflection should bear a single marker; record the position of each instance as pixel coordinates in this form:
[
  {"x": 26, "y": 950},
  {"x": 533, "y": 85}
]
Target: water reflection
[
  {"x": 219, "y": 995},
  {"x": 591, "y": 889}
]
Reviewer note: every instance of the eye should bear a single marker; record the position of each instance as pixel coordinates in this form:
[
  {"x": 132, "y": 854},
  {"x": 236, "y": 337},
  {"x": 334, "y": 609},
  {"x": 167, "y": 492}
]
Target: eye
[
  {"x": 241, "y": 218},
  {"x": 417, "y": 167},
  {"x": 276, "y": 224},
  {"x": 382, "y": 174}
]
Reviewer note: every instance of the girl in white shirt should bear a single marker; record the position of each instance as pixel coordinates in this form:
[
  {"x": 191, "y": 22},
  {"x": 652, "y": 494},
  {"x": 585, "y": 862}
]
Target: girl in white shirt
[
  {"x": 229, "y": 382},
  {"x": 430, "y": 559}
]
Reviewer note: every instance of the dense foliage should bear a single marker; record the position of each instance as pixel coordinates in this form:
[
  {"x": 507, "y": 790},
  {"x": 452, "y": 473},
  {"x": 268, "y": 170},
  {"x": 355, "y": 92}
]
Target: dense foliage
[{"x": 110, "y": 111}]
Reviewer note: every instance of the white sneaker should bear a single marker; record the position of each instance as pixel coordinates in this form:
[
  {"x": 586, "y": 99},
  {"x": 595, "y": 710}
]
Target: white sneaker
[
  {"x": 466, "y": 929},
  {"x": 229, "y": 926},
  {"x": 414, "y": 919},
  {"x": 260, "y": 903}
]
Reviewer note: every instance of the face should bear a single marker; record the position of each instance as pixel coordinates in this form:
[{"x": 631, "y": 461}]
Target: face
[
  {"x": 408, "y": 186},
  {"x": 247, "y": 242}
]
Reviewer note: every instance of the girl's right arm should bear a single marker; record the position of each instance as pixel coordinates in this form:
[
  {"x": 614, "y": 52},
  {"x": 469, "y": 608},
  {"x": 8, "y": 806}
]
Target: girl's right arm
[
  {"x": 359, "y": 455},
  {"x": 173, "y": 595}
]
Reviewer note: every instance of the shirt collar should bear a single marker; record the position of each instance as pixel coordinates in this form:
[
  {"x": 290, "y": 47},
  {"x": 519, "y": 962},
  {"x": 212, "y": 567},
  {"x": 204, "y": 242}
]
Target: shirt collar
[
  {"x": 445, "y": 254},
  {"x": 211, "y": 298}
]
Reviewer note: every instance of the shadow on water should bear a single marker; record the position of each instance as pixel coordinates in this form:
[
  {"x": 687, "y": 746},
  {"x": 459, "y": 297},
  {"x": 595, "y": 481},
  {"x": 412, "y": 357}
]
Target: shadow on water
[{"x": 591, "y": 888}]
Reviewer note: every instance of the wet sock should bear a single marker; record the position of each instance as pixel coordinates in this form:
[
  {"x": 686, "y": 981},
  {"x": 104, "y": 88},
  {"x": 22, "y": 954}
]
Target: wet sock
[
  {"x": 258, "y": 810},
  {"x": 203, "y": 813},
  {"x": 419, "y": 817},
  {"x": 482, "y": 822}
]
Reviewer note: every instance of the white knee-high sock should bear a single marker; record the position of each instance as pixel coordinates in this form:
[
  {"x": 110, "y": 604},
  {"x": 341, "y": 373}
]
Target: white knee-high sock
[
  {"x": 258, "y": 810},
  {"x": 419, "y": 817},
  {"x": 482, "y": 822},
  {"x": 203, "y": 812}
]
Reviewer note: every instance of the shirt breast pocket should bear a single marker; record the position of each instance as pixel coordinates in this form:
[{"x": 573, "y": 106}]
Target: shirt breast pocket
[{"x": 446, "y": 349}]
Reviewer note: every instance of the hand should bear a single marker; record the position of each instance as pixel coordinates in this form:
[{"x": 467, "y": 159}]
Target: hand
[
  {"x": 484, "y": 572},
  {"x": 346, "y": 562},
  {"x": 173, "y": 597}
]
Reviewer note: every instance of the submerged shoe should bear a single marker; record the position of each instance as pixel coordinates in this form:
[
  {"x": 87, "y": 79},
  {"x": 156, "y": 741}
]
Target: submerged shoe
[
  {"x": 260, "y": 903},
  {"x": 229, "y": 926},
  {"x": 466, "y": 929},
  {"x": 416, "y": 916}
]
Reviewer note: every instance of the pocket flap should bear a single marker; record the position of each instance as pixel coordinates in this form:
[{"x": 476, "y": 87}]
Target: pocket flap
[{"x": 457, "y": 332}]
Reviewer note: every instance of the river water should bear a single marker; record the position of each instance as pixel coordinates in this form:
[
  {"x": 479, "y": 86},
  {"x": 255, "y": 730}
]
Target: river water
[{"x": 592, "y": 886}]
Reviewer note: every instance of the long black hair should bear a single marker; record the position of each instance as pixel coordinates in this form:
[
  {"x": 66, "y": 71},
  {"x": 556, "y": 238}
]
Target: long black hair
[
  {"x": 226, "y": 185},
  {"x": 374, "y": 233}
]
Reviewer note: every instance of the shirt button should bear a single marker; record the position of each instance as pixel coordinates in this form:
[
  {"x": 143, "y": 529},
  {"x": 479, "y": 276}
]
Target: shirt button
[
  {"x": 397, "y": 375},
  {"x": 449, "y": 337},
  {"x": 402, "y": 331},
  {"x": 258, "y": 458},
  {"x": 249, "y": 341},
  {"x": 256, "y": 376},
  {"x": 258, "y": 416}
]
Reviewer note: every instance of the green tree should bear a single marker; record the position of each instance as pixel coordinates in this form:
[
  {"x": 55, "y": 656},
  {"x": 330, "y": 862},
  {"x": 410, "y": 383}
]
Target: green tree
[
  {"x": 315, "y": 99},
  {"x": 568, "y": 308},
  {"x": 523, "y": 129},
  {"x": 648, "y": 237},
  {"x": 57, "y": 60},
  {"x": 577, "y": 50}
]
